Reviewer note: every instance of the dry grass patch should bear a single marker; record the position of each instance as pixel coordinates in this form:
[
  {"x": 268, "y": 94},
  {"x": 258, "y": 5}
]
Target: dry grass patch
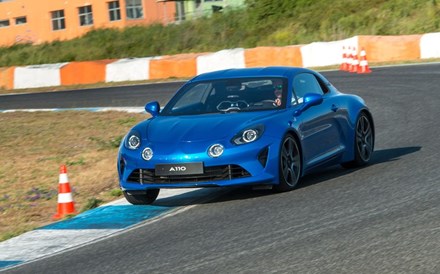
[{"x": 34, "y": 145}]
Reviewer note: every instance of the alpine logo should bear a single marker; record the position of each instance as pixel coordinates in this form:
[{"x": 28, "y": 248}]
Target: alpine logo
[{"x": 177, "y": 168}]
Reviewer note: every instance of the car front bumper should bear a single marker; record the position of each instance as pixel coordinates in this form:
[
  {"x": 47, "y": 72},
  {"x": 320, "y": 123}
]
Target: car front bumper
[{"x": 249, "y": 164}]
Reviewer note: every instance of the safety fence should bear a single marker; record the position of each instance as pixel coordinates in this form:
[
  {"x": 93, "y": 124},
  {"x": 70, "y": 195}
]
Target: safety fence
[{"x": 317, "y": 54}]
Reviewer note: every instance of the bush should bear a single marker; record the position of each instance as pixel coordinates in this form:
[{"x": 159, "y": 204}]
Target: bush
[{"x": 262, "y": 23}]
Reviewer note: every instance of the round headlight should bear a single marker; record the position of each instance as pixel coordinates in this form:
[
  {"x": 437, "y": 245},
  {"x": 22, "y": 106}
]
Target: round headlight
[
  {"x": 134, "y": 142},
  {"x": 215, "y": 150},
  {"x": 147, "y": 154},
  {"x": 249, "y": 135}
]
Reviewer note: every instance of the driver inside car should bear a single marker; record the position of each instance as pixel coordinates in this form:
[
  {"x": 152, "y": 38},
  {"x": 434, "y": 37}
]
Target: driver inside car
[{"x": 278, "y": 92}]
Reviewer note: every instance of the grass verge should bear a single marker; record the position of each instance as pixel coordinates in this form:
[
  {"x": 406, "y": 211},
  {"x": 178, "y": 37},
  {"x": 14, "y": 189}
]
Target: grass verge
[{"x": 34, "y": 145}]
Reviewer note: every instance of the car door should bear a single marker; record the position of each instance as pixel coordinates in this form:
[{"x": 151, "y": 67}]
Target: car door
[{"x": 318, "y": 126}]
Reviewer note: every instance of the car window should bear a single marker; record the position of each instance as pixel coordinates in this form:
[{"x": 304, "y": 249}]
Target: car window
[
  {"x": 195, "y": 95},
  {"x": 305, "y": 83},
  {"x": 229, "y": 95}
]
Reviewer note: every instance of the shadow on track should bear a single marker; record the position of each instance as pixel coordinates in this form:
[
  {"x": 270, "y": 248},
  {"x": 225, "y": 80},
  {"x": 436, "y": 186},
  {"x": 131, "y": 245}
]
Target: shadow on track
[
  {"x": 379, "y": 157},
  {"x": 240, "y": 193},
  {"x": 392, "y": 154}
]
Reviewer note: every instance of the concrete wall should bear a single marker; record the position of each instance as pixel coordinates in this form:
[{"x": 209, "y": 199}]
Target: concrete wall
[{"x": 319, "y": 54}]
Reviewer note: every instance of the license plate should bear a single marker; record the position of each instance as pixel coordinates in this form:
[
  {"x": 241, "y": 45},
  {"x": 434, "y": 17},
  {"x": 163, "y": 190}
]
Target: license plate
[{"x": 179, "y": 169}]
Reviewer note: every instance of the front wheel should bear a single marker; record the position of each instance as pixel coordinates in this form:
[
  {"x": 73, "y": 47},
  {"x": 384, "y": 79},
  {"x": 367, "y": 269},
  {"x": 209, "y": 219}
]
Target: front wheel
[
  {"x": 141, "y": 197},
  {"x": 363, "y": 142},
  {"x": 290, "y": 164}
]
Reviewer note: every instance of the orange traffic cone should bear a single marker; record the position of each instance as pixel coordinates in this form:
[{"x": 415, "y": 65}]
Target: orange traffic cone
[
  {"x": 363, "y": 66},
  {"x": 355, "y": 63},
  {"x": 65, "y": 200},
  {"x": 344, "y": 65},
  {"x": 349, "y": 59}
]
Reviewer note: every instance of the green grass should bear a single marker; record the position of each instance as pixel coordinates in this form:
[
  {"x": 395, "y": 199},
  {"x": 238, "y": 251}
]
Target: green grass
[
  {"x": 263, "y": 23},
  {"x": 87, "y": 142},
  {"x": 91, "y": 203},
  {"x": 116, "y": 192}
]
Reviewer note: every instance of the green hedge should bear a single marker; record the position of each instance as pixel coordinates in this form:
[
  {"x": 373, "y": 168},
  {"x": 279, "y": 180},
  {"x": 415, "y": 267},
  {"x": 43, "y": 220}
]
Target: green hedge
[{"x": 262, "y": 23}]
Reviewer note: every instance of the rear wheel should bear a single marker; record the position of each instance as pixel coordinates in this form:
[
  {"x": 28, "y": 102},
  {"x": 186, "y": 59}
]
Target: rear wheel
[
  {"x": 363, "y": 142},
  {"x": 290, "y": 164},
  {"x": 142, "y": 197}
]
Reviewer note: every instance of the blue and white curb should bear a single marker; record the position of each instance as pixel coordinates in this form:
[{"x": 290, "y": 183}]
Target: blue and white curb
[{"x": 94, "y": 225}]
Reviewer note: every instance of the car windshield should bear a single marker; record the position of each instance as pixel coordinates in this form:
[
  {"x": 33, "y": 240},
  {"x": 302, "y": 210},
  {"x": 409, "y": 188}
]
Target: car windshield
[{"x": 229, "y": 95}]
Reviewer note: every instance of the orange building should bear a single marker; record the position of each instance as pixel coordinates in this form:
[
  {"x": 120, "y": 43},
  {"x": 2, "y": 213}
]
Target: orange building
[{"x": 38, "y": 21}]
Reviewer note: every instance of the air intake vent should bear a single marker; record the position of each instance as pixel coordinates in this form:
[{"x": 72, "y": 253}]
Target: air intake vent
[
  {"x": 215, "y": 173},
  {"x": 262, "y": 156}
]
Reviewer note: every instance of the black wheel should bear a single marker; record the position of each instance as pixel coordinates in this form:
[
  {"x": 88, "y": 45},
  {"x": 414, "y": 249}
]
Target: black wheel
[
  {"x": 364, "y": 142},
  {"x": 290, "y": 164},
  {"x": 142, "y": 197}
]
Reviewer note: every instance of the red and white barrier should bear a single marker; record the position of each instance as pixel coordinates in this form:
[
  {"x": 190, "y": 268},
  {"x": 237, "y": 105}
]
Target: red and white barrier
[
  {"x": 318, "y": 54},
  {"x": 224, "y": 59},
  {"x": 38, "y": 76},
  {"x": 130, "y": 69},
  {"x": 430, "y": 45},
  {"x": 321, "y": 54}
]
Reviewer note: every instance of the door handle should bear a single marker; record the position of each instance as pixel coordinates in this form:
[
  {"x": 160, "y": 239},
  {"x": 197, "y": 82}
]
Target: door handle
[{"x": 334, "y": 108}]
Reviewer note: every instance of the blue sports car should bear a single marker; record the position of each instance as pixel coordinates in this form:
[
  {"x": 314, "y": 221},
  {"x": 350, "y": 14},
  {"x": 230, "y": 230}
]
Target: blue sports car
[{"x": 264, "y": 127}]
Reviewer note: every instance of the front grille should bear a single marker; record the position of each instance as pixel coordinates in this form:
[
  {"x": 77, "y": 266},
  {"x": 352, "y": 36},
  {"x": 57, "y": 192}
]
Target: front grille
[{"x": 215, "y": 173}]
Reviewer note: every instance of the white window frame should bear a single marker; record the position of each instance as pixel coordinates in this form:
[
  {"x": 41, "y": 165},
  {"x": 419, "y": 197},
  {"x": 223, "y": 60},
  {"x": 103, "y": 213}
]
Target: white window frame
[
  {"x": 134, "y": 9},
  {"x": 58, "y": 20},
  {"x": 85, "y": 14},
  {"x": 114, "y": 11}
]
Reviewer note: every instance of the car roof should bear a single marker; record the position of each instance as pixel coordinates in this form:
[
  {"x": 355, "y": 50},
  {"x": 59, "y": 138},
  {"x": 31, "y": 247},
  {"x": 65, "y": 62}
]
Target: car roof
[{"x": 250, "y": 72}]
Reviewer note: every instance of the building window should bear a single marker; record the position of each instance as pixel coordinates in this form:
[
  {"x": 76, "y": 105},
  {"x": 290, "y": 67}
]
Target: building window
[
  {"x": 134, "y": 9},
  {"x": 85, "y": 16},
  {"x": 114, "y": 11},
  {"x": 20, "y": 20},
  {"x": 58, "y": 20},
  {"x": 4, "y": 23}
]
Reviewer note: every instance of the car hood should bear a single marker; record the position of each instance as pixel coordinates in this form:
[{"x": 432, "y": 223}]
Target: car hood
[{"x": 172, "y": 129}]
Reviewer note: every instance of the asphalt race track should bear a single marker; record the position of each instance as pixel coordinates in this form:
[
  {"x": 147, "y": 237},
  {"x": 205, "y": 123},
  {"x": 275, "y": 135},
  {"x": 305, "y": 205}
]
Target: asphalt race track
[
  {"x": 384, "y": 218},
  {"x": 131, "y": 96}
]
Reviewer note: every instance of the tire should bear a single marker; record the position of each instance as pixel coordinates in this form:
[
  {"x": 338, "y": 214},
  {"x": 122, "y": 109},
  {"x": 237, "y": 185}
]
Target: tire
[
  {"x": 142, "y": 197},
  {"x": 289, "y": 164},
  {"x": 363, "y": 142}
]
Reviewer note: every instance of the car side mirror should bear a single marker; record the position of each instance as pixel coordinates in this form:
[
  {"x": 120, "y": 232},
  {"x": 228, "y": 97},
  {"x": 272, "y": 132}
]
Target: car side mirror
[
  {"x": 309, "y": 100},
  {"x": 153, "y": 108}
]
